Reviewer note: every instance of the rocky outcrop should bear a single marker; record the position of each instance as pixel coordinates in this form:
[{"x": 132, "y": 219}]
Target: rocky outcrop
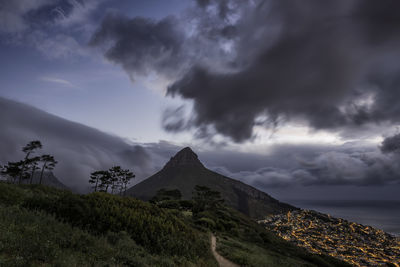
[{"x": 185, "y": 157}]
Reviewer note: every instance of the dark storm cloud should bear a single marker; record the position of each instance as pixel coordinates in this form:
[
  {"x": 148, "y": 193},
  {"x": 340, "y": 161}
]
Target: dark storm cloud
[
  {"x": 391, "y": 144},
  {"x": 333, "y": 64},
  {"x": 141, "y": 45},
  {"x": 78, "y": 149},
  {"x": 316, "y": 68},
  {"x": 168, "y": 46},
  {"x": 380, "y": 21}
]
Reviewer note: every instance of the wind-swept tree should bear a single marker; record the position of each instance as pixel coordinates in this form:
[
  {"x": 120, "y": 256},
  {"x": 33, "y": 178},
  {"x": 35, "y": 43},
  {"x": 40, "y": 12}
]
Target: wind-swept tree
[
  {"x": 105, "y": 181},
  {"x": 100, "y": 180},
  {"x": 29, "y": 149},
  {"x": 115, "y": 178},
  {"x": 120, "y": 179},
  {"x": 13, "y": 171},
  {"x": 26, "y": 168},
  {"x": 125, "y": 178},
  {"x": 96, "y": 178},
  {"x": 48, "y": 163},
  {"x": 115, "y": 173},
  {"x": 32, "y": 164}
]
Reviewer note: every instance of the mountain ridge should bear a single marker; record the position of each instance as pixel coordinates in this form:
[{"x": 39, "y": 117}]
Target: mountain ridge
[{"x": 184, "y": 171}]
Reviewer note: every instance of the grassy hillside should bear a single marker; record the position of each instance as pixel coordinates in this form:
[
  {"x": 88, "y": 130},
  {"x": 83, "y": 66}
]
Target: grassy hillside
[
  {"x": 247, "y": 243},
  {"x": 42, "y": 226},
  {"x": 30, "y": 238}
]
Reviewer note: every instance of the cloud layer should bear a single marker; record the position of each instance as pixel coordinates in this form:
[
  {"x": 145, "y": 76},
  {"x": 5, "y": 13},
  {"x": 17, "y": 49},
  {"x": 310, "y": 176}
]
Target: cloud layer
[
  {"x": 81, "y": 150},
  {"x": 350, "y": 164},
  {"x": 141, "y": 45},
  {"x": 57, "y": 28},
  {"x": 78, "y": 149},
  {"x": 331, "y": 65}
]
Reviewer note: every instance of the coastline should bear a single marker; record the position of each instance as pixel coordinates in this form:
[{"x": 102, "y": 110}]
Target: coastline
[{"x": 381, "y": 214}]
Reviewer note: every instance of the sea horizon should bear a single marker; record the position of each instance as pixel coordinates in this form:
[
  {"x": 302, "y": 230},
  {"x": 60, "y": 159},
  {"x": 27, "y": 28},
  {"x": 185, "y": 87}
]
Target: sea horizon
[{"x": 381, "y": 214}]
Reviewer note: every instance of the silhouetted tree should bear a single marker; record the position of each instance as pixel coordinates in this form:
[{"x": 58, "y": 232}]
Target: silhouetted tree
[
  {"x": 125, "y": 177},
  {"x": 27, "y": 167},
  {"x": 115, "y": 173},
  {"x": 120, "y": 178},
  {"x": 28, "y": 150},
  {"x": 48, "y": 163},
  {"x": 95, "y": 179},
  {"x": 105, "y": 181},
  {"x": 32, "y": 164},
  {"x": 13, "y": 170},
  {"x": 115, "y": 178}
]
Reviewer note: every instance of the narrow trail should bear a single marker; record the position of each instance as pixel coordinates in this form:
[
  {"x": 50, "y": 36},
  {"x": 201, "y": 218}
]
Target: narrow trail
[{"x": 221, "y": 260}]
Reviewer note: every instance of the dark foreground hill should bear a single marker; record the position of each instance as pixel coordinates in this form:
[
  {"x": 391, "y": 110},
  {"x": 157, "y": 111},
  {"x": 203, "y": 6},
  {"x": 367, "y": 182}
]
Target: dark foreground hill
[
  {"x": 43, "y": 226},
  {"x": 184, "y": 171}
]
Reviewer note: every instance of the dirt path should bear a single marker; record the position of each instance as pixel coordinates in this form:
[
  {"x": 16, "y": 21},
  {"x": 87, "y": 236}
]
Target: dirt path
[{"x": 221, "y": 260}]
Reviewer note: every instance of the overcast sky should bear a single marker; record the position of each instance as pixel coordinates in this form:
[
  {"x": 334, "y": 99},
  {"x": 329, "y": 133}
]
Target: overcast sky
[{"x": 297, "y": 98}]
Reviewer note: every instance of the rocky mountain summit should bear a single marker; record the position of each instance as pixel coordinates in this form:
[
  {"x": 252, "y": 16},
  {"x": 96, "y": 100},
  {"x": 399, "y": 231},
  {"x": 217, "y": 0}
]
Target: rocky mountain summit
[
  {"x": 184, "y": 171},
  {"x": 354, "y": 243},
  {"x": 185, "y": 157}
]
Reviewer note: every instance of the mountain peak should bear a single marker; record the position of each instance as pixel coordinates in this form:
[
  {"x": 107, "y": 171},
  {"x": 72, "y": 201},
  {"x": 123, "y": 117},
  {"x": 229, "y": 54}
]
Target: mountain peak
[
  {"x": 184, "y": 171},
  {"x": 185, "y": 157}
]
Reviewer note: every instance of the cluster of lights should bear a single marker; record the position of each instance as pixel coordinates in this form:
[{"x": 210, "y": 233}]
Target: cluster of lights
[{"x": 354, "y": 243}]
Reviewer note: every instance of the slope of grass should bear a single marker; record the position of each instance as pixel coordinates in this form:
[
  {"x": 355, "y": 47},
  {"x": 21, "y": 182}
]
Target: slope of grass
[
  {"x": 248, "y": 254},
  {"x": 42, "y": 226},
  {"x": 158, "y": 230},
  {"x": 247, "y": 243},
  {"x": 29, "y": 238}
]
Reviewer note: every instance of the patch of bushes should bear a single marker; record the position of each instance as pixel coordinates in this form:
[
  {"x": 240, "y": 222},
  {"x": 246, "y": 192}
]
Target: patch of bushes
[
  {"x": 29, "y": 238},
  {"x": 206, "y": 222},
  {"x": 154, "y": 231},
  {"x": 158, "y": 230},
  {"x": 42, "y": 226}
]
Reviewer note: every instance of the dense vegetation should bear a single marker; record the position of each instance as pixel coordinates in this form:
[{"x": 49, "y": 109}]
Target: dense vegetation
[
  {"x": 45, "y": 226},
  {"x": 42, "y": 226},
  {"x": 30, "y": 238},
  {"x": 239, "y": 238}
]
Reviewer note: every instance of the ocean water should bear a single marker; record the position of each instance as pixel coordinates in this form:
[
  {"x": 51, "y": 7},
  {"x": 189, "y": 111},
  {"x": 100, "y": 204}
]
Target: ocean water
[{"x": 381, "y": 214}]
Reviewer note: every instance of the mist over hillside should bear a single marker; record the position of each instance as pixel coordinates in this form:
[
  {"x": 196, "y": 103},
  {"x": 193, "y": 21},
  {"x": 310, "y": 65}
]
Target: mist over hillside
[
  {"x": 357, "y": 170},
  {"x": 78, "y": 148}
]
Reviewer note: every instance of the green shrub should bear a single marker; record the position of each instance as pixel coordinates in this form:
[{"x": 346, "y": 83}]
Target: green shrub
[
  {"x": 206, "y": 222},
  {"x": 29, "y": 238},
  {"x": 158, "y": 230},
  {"x": 169, "y": 204}
]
